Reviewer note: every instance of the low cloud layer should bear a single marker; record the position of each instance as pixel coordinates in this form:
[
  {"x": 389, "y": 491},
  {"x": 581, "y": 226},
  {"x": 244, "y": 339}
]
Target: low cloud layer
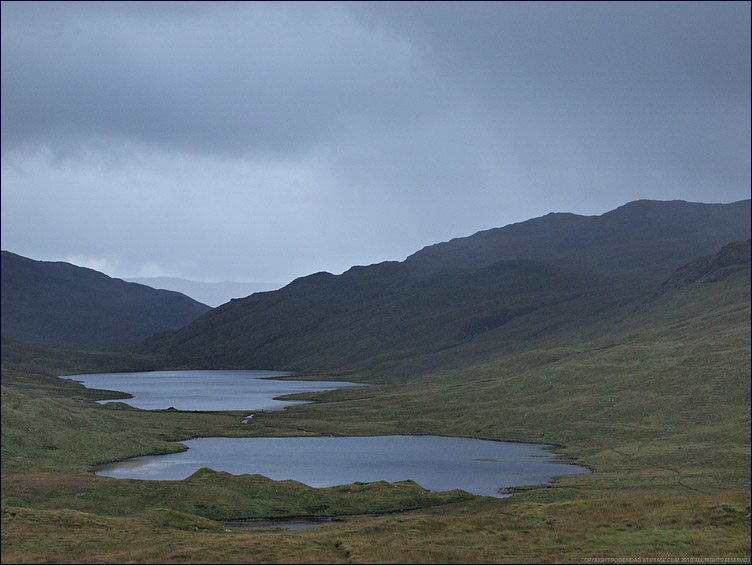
[{"x": 266, "y": 141}]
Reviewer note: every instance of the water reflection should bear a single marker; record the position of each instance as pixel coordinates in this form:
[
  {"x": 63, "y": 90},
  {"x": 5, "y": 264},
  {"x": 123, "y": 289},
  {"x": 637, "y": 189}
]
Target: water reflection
[
  {"x": 436, "y": 463},
  {"x": 206, "y": 390}
]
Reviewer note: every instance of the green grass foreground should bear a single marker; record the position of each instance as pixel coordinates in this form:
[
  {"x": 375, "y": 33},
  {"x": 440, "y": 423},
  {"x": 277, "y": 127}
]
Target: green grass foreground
[{"x": 656, "y": 403}]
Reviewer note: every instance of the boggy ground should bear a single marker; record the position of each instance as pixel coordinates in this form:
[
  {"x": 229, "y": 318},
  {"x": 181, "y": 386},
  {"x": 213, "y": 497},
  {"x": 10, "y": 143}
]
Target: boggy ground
[
  {"x": 653, "y": 528},
  {"x": 657, "y": 405}
]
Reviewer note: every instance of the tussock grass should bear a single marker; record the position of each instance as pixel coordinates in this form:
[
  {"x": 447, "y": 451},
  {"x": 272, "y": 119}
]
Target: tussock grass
[{"x": 480, "y": 531}]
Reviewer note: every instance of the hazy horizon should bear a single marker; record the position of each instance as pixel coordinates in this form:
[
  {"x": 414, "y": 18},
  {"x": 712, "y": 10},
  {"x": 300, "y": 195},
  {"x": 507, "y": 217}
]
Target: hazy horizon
[
  {"x": 211, "y": 293},
  {"x": 252, "y": 141},
  {"x": 174, "y": 283}
]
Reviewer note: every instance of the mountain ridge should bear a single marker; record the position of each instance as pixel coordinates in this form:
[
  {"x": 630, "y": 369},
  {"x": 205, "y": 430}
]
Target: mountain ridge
[
  {"x": 507, "y": 288},
  {"x": 59, "y": 305},
  {"x": 671, "y": 232}
]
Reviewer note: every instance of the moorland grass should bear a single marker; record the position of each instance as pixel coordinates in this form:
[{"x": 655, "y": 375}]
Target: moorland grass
[
  {"x": 710, "y": 528},
  {"x": 656, "y": 403}
]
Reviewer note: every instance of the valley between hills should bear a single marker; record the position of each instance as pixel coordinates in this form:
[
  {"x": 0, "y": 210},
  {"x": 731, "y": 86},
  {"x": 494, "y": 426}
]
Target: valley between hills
[{"x": 622, "y": 339}]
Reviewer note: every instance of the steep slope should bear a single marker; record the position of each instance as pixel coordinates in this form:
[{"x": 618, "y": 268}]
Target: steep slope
[
  {"x": 638, "y": 244},
  {"x": 656, "y": 399},
  {"x": 59, "y": 305},
  {"x": 469, "y": 299},
  {"x": 713, "y": 268},
  {"x": 369, "y": 314}
]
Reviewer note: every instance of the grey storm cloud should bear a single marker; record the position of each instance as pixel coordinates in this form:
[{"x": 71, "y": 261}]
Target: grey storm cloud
[
  {"x": 270, "y": 140},
  {"x": 254, "y": 77}
]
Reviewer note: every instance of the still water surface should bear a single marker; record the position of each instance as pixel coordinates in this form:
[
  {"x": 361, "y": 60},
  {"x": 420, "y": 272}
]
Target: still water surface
[
  {"x": 206, "y": 390},
  {"x": 436, "y": 463}
]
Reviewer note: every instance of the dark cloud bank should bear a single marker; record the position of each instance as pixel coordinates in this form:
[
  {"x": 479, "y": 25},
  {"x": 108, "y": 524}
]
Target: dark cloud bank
[{"x": 265, "y": 141}]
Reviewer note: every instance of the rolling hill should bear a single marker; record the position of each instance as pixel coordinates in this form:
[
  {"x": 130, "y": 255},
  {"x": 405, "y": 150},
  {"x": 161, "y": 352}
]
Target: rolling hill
[
  {"x": 62, "y": 306},
  {"x": 471, "y": 298}
]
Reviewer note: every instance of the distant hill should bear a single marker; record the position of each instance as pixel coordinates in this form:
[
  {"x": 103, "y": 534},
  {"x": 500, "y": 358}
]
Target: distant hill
[
  {"x": 465, "y": 300},
  {"x": 325, "y": 321},
  {"x": 213, "y": 294},
  {"x": 636, "y": 245},
  {"x": 62, "y": 306}
]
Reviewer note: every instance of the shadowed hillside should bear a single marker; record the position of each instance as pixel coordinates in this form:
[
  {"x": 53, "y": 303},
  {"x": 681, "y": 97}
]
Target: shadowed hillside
[
  {"x": 472, "y": 298},
  {"x": 369, "y": 313},
  {"x": 63, "y": 306},
  {"x": 636, "y": 245},
  {"x": 713, "y": 268}
]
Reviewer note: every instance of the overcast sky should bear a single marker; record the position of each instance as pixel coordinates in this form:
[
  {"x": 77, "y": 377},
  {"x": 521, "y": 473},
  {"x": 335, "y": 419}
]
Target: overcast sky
[{"x": 267, "y": 141}]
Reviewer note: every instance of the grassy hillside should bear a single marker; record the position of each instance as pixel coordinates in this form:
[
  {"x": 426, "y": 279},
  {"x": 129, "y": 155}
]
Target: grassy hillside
[
  {"x": 653, "y": 397},
  {"x": 368, "y": 315},
  {"x": 515, "y": 288},
  {"x": 639, "y": 243},
  {"x": 67, "y": 307},
  {"x": 661, "y": 399}
]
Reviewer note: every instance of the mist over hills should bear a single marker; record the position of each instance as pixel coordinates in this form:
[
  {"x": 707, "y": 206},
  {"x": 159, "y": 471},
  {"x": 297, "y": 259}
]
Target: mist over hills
[
  {"x": 474, "y": 297},
  {"x": 62, "y": 306},
  {"x": 212, "y": 294}
]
